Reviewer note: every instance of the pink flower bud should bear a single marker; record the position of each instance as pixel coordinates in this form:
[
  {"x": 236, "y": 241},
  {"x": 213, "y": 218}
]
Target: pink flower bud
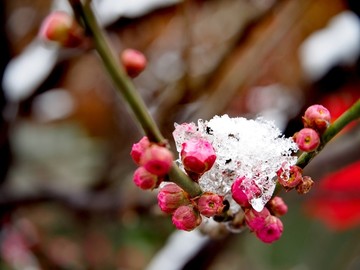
[
  {"x": 157, "y": 160},
  {"x": 197, "y": 155},
  {"x": 277, "y": 206},
  {"x": 133, "y": 61},
  {"x": 138, "y": 149},
  {"x": 242, "y": 194},
  {"x": 210, "y": 204},
  {"x": 62, "y": 28},
  {"x": 170, "y": 197},
  {"x": 317, "y": 117},
  {"x": 186, "y": 218},
  {"x": 271, "y": 230},
  {"x": 305, "y": 186},
  {"x": 290, "y": 179},
  {"x": 307, "y": 139},
  {"x": 145, "y": 180},
  {"x": 256, "y": 220},
  {"x": 238, "y": 194}
]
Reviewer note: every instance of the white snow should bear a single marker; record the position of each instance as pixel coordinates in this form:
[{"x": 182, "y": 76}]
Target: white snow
[{"x": 255, "y": 149}]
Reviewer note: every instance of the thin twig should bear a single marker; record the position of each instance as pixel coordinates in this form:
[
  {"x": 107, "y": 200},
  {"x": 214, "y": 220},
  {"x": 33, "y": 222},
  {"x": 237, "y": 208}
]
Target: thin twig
[{"x": 125, "y": 86}]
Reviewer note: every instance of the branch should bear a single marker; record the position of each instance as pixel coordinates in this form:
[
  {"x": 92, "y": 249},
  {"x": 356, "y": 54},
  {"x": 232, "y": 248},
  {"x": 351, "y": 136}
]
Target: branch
[
  {"x": 99, "y": 202},
  {"x": 126, "y": 88},
  {"x": 348, "y": 116}
]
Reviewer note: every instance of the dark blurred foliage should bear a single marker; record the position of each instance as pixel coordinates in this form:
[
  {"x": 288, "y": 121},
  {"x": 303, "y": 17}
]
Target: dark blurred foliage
[
  {"x": 5, "y": 156},
  {"x": 67, "y": 200}
]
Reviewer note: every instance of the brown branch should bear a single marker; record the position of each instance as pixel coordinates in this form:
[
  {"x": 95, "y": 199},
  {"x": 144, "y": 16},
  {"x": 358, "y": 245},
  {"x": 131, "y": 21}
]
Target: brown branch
[{"x": 101, "y": 202}]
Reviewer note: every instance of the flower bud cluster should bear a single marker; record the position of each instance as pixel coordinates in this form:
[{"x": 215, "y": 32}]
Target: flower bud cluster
[
  {"x": 236, "y": 163},
  {"x": 316, "y": 119},
  {"x": 293, "y": 178},
  {"x": 187, "y": 212},
  {"x": 224, "y": 150},
  {"x": 265, "y": 223},
  {"x": 154, "y": 163},
  {"x": 234, "y": 160},
  {"x": 197, "y": 156},
  {"x": 267, "y": 227}
]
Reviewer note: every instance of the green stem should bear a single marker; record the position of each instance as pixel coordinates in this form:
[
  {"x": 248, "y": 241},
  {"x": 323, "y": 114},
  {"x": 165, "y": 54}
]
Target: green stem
[
  {"x": 120, "y": 79},
  {"x": 348, "y": 116},
  {"x": 125, "y": 86},
  {"x": 181, "y": 179}
]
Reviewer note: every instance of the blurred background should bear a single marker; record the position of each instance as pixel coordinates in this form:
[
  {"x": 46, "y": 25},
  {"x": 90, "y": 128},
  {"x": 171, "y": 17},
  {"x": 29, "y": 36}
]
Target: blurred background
[{"x": 67, "y": 200}]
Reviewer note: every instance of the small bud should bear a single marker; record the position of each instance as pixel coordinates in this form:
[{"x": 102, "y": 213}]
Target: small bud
[
  {"x": 290, "y": 179},
  {"x": 242, "y": 195},
  {"x": 138, "y": 149},
  {"x": 210, "y": 204},
  {"x": 157, "y": 160},
  {"x": 197, "y": 155},
  {"x": 305, "y": 186},
  {"x": 271, "y": 230},
  {"x": 317, "y": 117},
  {"x": 238, "y": 194},
  {"x": 62, "y": 28},
  {"x": 145, "y": 180},
  {"x": 307, "y": 139},
  {"x": 277, "y": 206},
  {"x": 133, "y": 61},
  {"x": 256, "y": 220},
  {"x": 186, "y": 218},
  {"x": 170, "y": 197}
]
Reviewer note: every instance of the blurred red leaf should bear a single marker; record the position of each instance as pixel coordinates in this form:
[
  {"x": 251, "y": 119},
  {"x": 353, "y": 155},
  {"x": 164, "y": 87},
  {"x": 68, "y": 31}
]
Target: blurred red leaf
[
  {"x": 337, "y": 103},
  {"x": 336, "y": 200}
]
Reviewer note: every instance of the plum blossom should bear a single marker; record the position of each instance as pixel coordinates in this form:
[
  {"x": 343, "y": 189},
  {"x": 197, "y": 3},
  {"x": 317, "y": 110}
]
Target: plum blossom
[
  {"x": 210, "y": 204},
  {"x": 171, "y": 197},
  {"x": 186, "y": 218},
  {"x": 317, "y": 117},
  {"x": 307, "y": 139}
]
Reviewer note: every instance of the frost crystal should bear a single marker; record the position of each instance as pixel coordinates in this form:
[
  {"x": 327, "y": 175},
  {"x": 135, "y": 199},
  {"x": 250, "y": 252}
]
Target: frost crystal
[{"x": 254, "y": 149}]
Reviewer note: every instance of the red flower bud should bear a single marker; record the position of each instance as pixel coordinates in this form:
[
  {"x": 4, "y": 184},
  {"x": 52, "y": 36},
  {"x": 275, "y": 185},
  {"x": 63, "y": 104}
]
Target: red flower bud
[
  {"x": 170, "y": 197},
  {"x": 256, "y": 220},
  {"x": 138, "y": 149},
  {"x": 157, "y": 160},
  {"x": 271, "y": 230},
  {"x": 145, "y": 180},
  {"x": 242, "y": 195},
  {"x": 62, "y": 28},
  {"x": 197, "y": 155},
  {"x": 317, "y": 117},
  {"x": 133, "y": 61},
  {"x": 277, "y": 206},
  {"x": 307, "y": 139},
  {"x": 186, "y": 218},
  {"x": 291, "y": 179},
  {"x": 238, "y": 194},
  {"x": 210, "y": 204}
]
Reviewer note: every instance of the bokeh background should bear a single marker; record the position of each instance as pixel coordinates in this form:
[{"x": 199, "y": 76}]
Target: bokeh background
[{"x": 67, "y": 200}]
